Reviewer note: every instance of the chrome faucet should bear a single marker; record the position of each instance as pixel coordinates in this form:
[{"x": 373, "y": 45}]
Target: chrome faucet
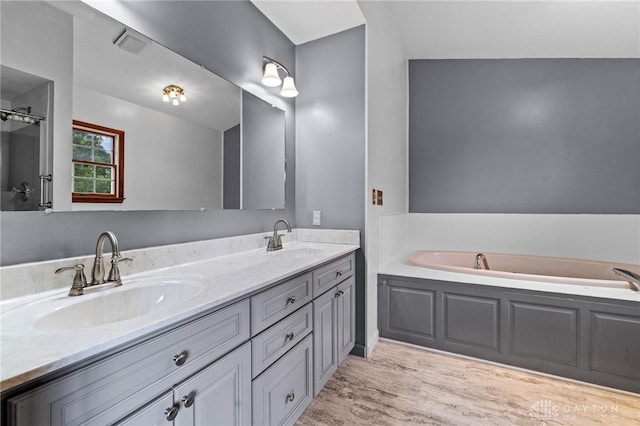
[
  {"x": 275, "y": 241},
  {"x": 631, "y": 277},
  {"x": 97, "y": 273},
  {"x": 481, "y": 258}
]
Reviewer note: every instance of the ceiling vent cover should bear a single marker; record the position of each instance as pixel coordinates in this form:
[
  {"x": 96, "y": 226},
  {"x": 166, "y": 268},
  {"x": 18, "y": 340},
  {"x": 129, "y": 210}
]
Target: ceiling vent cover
[{"x": 131, "y": 41}]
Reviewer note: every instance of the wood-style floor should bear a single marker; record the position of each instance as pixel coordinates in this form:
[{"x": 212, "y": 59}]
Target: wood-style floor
[{"x": 403, "y": 385}]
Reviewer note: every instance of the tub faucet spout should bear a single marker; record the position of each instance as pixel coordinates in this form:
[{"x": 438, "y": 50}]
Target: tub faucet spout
[
  {"x": 481, "y": 258},
  {"x": 631, "y": 277}
]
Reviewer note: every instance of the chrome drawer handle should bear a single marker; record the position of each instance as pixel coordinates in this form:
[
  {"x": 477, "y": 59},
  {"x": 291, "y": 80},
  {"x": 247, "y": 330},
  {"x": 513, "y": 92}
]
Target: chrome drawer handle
[
  {"x": 188, "y": 400},
  {"x": 291, "y": 396},
  {"x": 289, "y": 336},
  {"x": 180, "y": 359},
  {"x": 291, "y": 299},
  {"x": 171, "y": 413}
]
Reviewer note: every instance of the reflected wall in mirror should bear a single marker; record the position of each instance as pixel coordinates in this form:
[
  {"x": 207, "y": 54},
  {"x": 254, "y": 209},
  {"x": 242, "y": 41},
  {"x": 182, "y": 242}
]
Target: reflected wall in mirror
[{"x": 173, "y": 155}]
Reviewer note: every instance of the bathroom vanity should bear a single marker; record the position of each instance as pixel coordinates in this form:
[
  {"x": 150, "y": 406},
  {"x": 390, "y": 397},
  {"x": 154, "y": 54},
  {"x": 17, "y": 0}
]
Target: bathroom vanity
[{"x": 251, "y": 350}]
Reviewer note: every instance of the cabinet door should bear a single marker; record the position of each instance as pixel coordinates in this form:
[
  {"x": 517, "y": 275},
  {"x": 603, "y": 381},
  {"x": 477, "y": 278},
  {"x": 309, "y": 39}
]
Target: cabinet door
[
  {"x": 346, "y": 323},
  {"x": 155, "y": 413},
  {"x": 284, "y": 390},
  {"x": 325, "y": 350},
  {"x": 218, "y": 395}
]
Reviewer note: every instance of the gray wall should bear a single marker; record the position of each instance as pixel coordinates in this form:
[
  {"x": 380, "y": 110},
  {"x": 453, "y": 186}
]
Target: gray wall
[
  {"x": 330, "y": 137},
  {"x": 524, "y": 136},
  {"x": 228, "y": 38},
  {"x": 262, "y": 154},
  {"x": 231, "y": 169}
]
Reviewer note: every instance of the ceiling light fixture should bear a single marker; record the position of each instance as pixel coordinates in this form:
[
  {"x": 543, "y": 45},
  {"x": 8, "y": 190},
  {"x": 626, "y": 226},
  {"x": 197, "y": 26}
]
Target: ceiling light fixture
[
  {"x": 173, "y": 93},
  {"x": 271, "y": 77}
]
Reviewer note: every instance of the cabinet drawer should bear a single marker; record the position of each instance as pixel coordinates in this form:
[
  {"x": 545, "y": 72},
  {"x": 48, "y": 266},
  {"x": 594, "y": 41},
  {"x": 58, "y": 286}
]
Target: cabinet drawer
[
  {"x": 110, "y": 389},
  {"x": 279, "y": 338},
  {"x": 272, "y": 305},
  {"x": 284, "y": 390},
  {"x": 327, "y": 276}
]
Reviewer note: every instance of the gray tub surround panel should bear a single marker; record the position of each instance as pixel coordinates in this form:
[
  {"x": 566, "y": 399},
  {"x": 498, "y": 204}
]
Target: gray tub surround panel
[
  {"x": 192, "y": 365},
  {"x": 579, "y": 337},
  {"x": 524, "y": 136}
]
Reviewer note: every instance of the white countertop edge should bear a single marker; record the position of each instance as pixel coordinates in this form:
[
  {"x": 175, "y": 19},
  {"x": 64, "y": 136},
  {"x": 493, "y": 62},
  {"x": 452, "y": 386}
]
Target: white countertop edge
[
  {"x": 31, "y": 354},
  {"x": 397, "y": 267}
]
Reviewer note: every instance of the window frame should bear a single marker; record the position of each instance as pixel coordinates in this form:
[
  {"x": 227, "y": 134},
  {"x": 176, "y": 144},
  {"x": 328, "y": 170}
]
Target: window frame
[{"x": 117, "y": 164}]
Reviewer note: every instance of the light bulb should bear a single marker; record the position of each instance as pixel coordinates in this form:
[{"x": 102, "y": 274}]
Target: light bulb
[
  {"x": 289, "y": 88},
  {"x": 270, "y": 75},
  {"x": 183, "y": 98},
  {"x": 176, "y": 102},
  {"x": 165, "y": 98}
]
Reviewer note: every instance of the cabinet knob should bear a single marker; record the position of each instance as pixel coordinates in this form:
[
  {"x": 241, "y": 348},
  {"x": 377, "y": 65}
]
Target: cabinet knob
[
  {"x": 291, "y": 396},
  {"x": 289, "y": 336},
  {"x": 291, "y": 299},
  {"x": 188, "y": 400},
  {"x": 171, "y": 413},
  {"x": 180, "y": 359}
]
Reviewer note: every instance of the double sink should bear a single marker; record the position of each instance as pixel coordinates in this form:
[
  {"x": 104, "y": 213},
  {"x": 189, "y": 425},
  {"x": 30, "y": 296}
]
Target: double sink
[{"x": 138, "y": 296}]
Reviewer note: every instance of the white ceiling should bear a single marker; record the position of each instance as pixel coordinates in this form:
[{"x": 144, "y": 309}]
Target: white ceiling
[{"x": 476, "y": 29}]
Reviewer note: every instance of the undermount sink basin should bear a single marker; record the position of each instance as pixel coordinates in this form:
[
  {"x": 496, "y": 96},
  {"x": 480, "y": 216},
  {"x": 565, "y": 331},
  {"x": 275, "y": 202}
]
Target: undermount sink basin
[
  {"x": 296, "y": 253},
  {"x": 119, "y": 304}
]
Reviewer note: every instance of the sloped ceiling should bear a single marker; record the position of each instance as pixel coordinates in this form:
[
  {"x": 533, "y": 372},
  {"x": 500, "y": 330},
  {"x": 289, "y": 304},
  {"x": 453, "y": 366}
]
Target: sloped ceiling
[{"x": 477, "y": 29}]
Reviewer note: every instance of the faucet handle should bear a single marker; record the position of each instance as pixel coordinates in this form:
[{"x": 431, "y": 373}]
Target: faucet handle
[
  {"x": 114, "y": 273},
  {"x": 79, "y": 279}
]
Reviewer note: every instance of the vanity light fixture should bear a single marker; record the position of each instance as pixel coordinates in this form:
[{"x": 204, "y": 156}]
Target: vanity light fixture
[
  {"x": 271, "y": 77},
  {"x": 173, "y": 93}
]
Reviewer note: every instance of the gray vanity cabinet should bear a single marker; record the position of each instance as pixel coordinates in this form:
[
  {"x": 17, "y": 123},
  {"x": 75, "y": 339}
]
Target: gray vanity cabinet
[
  {"x": 258, "y": 361},
  {"x": 110, "y": 389},
  {"x": 153, "y": 414},
  {"x": 219, "y": 394},
  {"x": 333, "y": 324},
  {"x": 285, "y": 390}
]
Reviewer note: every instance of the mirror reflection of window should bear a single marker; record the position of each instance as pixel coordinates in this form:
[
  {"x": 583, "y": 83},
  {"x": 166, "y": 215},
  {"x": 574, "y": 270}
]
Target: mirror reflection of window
[{"x": 98, "y": 163}]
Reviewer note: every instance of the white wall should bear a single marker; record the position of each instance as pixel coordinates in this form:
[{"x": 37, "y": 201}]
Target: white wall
[
  {"x": 613, "y": 238},
  {"x": 386, "y": 140},
  {"x": 164, "y": 170}
]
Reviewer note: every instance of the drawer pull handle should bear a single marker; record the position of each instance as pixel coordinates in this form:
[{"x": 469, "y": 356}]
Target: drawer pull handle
[
  {"x": 339, "y": 293},
  {"x": 291, "y": 299},
  {"x": 339, "y": 274},
  {"x": 291, "y": 396},
  {"x": 180, "y": 359},
  {"x": 289, "y": 336},
  {"x": 171, "y": 413},
  {"x": 188, "y": 400}
]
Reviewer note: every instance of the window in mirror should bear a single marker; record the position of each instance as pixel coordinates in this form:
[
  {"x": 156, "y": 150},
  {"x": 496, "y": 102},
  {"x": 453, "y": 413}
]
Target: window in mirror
[{"x": 98, "y": 164}]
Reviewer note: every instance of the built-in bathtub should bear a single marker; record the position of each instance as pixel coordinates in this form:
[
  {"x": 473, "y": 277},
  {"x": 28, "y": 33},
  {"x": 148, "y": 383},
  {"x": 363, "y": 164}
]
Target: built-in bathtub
[
  {"x": 567, "y": 317},
  {"x": 553, "y": 270}
]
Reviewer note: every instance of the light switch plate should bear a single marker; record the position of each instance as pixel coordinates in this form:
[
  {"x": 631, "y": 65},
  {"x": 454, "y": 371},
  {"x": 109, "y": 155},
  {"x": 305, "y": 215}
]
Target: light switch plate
[{"x": 317, "y": 218}]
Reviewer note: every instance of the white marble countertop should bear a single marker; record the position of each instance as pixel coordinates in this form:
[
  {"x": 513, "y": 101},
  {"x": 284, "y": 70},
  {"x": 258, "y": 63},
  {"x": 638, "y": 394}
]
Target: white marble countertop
[
  {"x": 28, "y": 352},
  {"x": 398, "y": 267}
]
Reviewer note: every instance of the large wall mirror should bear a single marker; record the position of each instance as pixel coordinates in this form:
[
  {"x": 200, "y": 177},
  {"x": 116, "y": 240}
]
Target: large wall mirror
[{"x": 219, "y": 148}]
